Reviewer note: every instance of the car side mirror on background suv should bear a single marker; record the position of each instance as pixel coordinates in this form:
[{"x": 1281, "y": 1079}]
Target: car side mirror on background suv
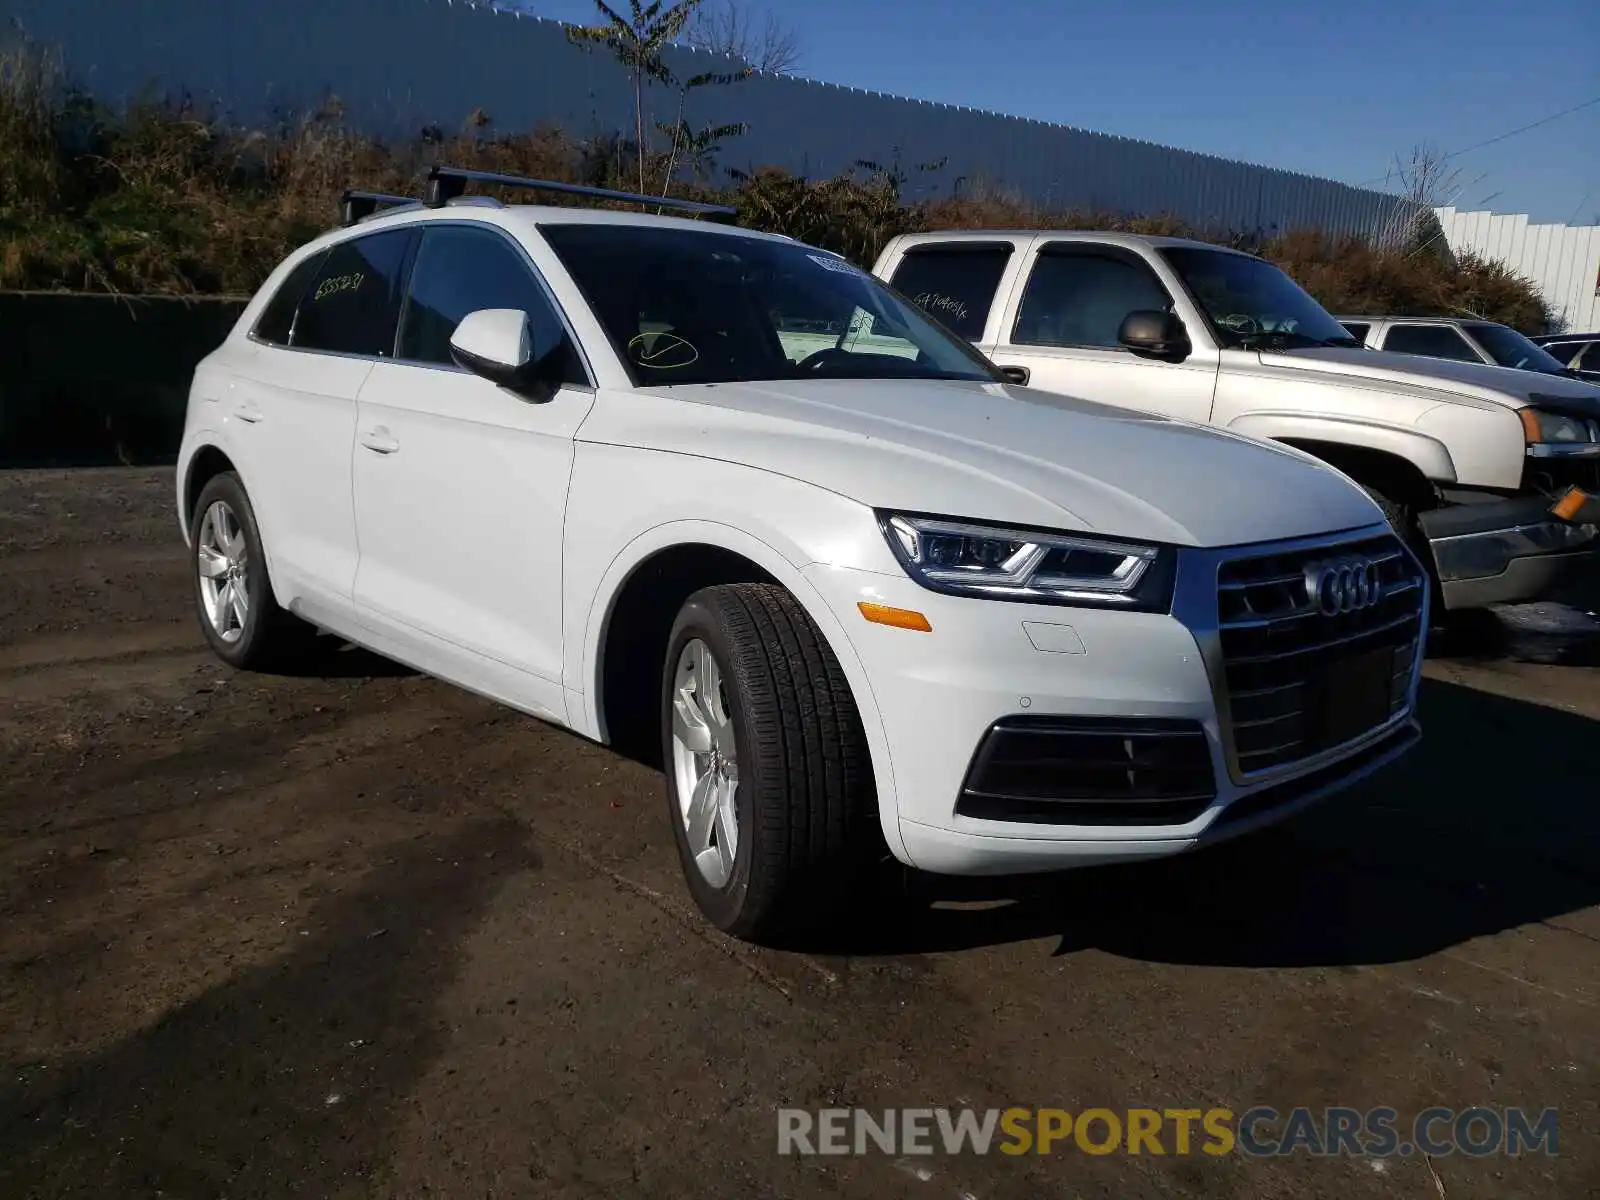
[
  {"x": 499, "y": 345},
  {"x": 1155, "y": 333}
]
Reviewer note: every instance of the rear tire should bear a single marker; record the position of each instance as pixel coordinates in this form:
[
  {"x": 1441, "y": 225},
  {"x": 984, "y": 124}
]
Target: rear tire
[
  {"x": 239, "y": 615},
  {"x": 769, "y": 781}
]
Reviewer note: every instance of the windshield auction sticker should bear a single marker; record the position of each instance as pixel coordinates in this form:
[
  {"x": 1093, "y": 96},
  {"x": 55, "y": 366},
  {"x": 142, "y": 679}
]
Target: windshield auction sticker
[{"x": 839, "y": 265}]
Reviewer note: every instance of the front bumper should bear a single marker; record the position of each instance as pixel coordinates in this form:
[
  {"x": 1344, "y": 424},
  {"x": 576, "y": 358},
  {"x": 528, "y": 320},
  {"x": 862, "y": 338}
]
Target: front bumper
[
  {"x": 940, "y": 696},
  {"x": 1509, "y": 551}
]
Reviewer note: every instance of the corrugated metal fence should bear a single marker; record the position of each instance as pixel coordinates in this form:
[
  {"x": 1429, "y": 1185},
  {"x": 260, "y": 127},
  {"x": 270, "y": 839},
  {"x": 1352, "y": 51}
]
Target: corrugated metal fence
[
  {"x": 398, "y": 65},
  {"x": 1563, "y": 261}
]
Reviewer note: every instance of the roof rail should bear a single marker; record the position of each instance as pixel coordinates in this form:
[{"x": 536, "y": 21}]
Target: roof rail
[
  {"x": 446, "y": 183},
  {"x": 355, "y": 207}
]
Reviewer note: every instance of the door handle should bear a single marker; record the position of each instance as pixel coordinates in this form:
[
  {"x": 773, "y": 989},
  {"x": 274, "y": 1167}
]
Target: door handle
[
  {"x": 379, "y": 440},
  {"x": 1016, "y": 374},
  {"x": 246, "y": 411}
]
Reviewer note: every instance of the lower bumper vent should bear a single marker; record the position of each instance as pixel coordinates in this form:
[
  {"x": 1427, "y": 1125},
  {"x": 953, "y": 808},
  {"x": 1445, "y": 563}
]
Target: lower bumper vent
[{"x": 1089, "y": 771}]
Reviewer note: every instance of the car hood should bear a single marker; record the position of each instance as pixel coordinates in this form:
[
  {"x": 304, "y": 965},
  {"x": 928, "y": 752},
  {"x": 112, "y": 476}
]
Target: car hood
[
  {"x": 1453, "y": 381},
  {"x": 997, "y": 452}
]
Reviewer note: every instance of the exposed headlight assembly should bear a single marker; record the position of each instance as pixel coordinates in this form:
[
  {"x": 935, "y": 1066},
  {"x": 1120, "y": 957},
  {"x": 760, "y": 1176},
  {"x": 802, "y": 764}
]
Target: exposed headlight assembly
[
  {"x": 1030, "y": 565},
  {"x": 1550, "y": 433}
]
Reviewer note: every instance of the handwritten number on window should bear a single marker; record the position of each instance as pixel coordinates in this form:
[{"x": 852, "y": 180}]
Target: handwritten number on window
[{"x": 339, "y": 283}]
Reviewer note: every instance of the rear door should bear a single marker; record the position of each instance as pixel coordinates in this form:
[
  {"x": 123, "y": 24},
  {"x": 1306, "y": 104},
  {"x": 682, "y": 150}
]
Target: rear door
[
  {"x": 959, "y": 281},
  {"x": 292, "y": 405},
  {"x": 1063, "y": 328},
  {"x": 460, "y": 485}
]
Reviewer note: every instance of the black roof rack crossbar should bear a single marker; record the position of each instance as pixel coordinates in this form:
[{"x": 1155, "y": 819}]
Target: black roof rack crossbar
[
  {"x": 446, "y": 183},
  {"x": 358, "y": 206}
]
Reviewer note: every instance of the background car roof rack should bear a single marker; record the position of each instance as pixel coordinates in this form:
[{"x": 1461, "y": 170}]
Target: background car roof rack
[
  {"x": 355, "y": 207},
  {"x": 447, "y": 183}
]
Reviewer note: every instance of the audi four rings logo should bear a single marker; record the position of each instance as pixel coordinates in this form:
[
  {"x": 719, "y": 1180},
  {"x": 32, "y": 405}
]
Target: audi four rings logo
[{"x": 1345, "y": 586}]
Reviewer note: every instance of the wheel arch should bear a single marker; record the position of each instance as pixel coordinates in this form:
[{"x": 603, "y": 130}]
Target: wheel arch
[
  {"x": 203, "y": 464},
  {"x": 1395, "y": 475},
  {"x": 1324, "y": 437},
  {"x": 651, "y": 577},
  {"x": 206, "y": 462}
]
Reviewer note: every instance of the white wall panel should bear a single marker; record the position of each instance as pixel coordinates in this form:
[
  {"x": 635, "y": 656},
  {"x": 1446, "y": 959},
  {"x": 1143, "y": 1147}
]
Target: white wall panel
[{"x": 1562, "y": 261}]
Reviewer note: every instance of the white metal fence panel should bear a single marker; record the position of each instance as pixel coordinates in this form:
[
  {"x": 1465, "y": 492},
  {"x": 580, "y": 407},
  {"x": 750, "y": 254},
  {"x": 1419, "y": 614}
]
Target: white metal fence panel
[{"x": 1562, "y": 261}]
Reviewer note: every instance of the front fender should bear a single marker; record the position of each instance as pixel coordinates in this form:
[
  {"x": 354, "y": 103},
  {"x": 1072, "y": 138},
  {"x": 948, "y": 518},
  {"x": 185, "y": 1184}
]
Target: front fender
[
  {"x": 585, "y": 709},
  {"x": 1429, "y": 455},
  {"x": 626, "y": 505}
]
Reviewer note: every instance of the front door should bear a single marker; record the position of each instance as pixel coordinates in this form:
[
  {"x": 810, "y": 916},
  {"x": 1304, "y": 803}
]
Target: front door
[
  {"x": 460, "y": 485},
  {"x": 1064, "y": 331}
]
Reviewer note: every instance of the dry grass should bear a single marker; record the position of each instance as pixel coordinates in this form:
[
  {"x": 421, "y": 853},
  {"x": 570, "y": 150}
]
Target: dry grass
[{"x": 162, "y": 198}]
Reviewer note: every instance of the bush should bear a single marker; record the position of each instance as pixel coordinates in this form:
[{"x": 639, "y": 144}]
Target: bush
[{"x": 163, "y": 198}]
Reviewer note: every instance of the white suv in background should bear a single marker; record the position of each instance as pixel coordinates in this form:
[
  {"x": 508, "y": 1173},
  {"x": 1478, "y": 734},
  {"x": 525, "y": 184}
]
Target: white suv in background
[{"x": 717, "y": 493}]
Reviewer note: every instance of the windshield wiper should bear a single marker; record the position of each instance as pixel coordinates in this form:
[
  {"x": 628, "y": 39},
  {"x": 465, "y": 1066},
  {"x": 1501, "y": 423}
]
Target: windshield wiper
[{"x": 1250, "y": 341}]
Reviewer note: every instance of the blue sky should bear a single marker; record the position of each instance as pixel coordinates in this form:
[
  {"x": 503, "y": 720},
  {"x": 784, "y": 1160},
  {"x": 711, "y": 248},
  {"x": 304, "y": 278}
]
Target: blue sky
[{"x": 1331, "y": 89}]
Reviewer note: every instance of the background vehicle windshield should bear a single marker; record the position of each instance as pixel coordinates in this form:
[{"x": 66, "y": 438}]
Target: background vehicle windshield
[
  {"x": 1510, "y": 349},
  {"x": 1251, "y": 303},
  {"x": 685, "y": 306}
]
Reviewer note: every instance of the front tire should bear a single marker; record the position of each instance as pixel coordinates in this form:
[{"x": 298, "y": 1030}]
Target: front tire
[
  {"x": 1464, "y": 631},
  {"x": 769, "y": 782},
  {"x": 239, "y": 615}
]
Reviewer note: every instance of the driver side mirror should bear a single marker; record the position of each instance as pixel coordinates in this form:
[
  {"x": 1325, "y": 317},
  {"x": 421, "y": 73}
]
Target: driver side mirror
[
  {"x": 499, "y": 344},
  {"x": 1156, "y": 334}
]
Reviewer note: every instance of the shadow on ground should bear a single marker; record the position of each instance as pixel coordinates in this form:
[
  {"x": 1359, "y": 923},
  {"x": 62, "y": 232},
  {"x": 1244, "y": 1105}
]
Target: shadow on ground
[
  {"x": 333, "y": 658},
  {"x": 1490, "y": 823},
  {"x": 275, "y": 1082}
]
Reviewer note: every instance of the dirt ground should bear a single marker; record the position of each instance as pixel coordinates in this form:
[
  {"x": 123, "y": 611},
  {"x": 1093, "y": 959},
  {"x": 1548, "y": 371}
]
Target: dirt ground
[{"x": 357, "y": 933}]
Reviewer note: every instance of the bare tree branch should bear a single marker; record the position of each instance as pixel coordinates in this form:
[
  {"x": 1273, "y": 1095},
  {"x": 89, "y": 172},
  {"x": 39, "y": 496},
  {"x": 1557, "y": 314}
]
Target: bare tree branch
[{"x": 761, "y": 41}]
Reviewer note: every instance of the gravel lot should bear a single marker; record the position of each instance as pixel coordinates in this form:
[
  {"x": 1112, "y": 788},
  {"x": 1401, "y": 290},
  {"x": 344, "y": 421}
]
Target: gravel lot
[{"x": 359, "y": 933}]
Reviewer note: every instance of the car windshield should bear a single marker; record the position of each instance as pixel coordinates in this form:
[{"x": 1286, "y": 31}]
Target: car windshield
[
  {"x": 1510, "y": 349},
  {"x": 1252, "y": 304},
  {"x": 686, "y": 306}
]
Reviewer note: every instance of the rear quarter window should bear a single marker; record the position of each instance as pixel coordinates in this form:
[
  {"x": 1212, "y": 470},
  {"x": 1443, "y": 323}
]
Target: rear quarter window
[
  {"x": 276, "y": 323},
  {"x": 955, "y": 284}
]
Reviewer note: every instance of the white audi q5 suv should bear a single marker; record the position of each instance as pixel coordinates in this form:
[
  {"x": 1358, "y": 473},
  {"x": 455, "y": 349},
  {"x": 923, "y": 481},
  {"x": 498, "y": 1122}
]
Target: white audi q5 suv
[{"x": 720, "y": 495}]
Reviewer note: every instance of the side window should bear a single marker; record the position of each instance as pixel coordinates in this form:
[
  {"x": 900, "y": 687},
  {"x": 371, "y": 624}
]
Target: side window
[
  {"x": 460, "y": 271},
  {"x": 954, "y": 283},
  {"x": 1572, "y": 354},
  {"x": 1080, "y": 298},
  {"x": 1358, "y": 329},
  {"x": 1435, "y": 341},
  {"x": 354, "y": 301},
  {"x": 276, "y": 323}
]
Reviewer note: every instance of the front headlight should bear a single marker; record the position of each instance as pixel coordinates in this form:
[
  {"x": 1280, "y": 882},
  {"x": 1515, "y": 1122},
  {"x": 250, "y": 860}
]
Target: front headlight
[
  {"x": 1030, "y": 565},
  {"x": 1556, "y": 428}
]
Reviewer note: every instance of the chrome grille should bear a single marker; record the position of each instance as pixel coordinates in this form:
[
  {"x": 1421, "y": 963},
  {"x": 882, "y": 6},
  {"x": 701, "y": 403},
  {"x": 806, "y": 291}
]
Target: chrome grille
[{"x": 1300, "y": 681}]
